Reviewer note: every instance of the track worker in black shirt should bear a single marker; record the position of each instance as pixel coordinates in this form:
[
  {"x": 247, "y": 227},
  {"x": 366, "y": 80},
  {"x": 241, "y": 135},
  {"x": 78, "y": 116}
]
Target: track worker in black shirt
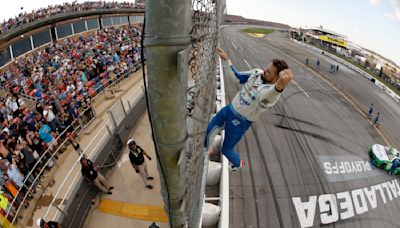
[
  {"x": 50, "y": 224},
  {"x": 138, "y": 162},
  {"x": 91, "y": 173}
]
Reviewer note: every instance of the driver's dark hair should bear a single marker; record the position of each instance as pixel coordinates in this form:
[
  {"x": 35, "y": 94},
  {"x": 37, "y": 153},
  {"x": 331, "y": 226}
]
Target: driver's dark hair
[{"x": 280, "y": 65}]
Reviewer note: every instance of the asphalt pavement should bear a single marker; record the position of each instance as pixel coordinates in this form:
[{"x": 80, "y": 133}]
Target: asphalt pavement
[{"x": 306, "y": 158}]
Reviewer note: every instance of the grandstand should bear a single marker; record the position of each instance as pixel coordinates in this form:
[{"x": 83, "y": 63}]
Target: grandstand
[
  {"x": 325, "y": 38},
  {"x": 49, "y": 78},
  {"x": 28, "y": 36},
  {"x": 25, "y": 18}
]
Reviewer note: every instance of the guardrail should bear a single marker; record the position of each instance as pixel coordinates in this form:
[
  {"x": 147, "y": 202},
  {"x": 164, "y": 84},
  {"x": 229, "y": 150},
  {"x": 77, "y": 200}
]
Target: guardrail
[
  {"x": 120, "y": 77},
  {"x": 27, "y": 97},
  {"x": 49, "y": 153},
  {"x": 224, "y": 181},
  {"x": 382, "y": 86}
]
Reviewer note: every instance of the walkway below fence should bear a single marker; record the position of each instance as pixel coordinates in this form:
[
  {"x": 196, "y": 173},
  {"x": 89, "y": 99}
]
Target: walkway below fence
[
  {"x": 128, "y": 90},
  {"x": 131, "y": 204}
]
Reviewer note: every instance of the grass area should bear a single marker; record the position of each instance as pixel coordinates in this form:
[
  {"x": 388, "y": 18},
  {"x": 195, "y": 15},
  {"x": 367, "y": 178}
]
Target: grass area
[
  {"x": 376, "y": 76},
  {"x": 259, "y": 30}
]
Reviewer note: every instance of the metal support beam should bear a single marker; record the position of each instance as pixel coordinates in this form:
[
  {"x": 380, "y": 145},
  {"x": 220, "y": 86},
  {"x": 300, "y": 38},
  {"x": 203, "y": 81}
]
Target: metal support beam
[{"x": 168, "y": 26}]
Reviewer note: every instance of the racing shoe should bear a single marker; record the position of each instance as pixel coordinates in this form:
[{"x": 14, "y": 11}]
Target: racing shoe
[
  {"x": 236, "y": 168},
  {"x": 209, "y": 150}
]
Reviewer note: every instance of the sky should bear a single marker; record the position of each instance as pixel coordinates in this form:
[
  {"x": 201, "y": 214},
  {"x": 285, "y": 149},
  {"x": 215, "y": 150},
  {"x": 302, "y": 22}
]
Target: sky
[{"x": 373, "y": 24}]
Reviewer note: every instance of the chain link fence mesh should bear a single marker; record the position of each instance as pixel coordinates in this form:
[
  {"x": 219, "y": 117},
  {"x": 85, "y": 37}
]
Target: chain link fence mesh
[{"x": 206, "y": 17}]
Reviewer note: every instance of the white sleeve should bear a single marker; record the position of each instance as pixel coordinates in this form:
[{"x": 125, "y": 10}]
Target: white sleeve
[{"x": 269, "y": 97}]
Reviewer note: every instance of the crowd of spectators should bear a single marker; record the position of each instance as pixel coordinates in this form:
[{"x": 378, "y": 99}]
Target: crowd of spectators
[
  {"x": 63, "y": 77},
  {"x": 391, "y": 81},
  {"x": 24, "y": 18}
]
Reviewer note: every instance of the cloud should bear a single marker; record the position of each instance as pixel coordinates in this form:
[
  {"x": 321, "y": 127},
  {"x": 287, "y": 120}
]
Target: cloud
[
  {"x": 397, "y": 14},
  {"x": 394, "y": 15},
  {"x": 390, "y": 16},
  {"x": 375, "y": 2},
  {"x": 393, "y": 2}
]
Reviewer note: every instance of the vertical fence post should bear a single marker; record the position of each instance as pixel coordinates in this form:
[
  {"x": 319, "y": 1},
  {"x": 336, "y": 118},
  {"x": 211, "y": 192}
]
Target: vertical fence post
[
  {"x": 59, "y": 209},
  {"x": 123, "y": 107},
  {"x": 108, "y": 129},
  {"x": 112, "y": 118},
  {"x": 81, "y": 123},
  {"x": 167, "y": 30},
  {"x": 130, "y": 106},
  {"x": 93, "y": 109}
]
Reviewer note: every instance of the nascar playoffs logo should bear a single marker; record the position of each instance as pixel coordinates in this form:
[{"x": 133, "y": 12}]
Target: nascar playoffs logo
[{"x": 345, "y": 168}]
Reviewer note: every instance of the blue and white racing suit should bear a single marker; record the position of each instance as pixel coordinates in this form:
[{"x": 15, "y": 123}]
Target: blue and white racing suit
[{"x": 248, "y": 104}]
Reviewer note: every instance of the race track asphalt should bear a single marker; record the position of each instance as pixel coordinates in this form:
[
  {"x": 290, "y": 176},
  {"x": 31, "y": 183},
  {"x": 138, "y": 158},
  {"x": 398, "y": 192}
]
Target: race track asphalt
[{"x": 307, "y": 158}]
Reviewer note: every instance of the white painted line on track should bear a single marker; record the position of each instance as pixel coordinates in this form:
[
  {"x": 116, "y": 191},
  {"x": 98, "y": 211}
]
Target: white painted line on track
[
  {"x": 247, "y": 63},
  {"x": 301, "y": 89},
  {"x": 234, "y": 45},
  {"x": 323, "y": 87},
  {"x": 305, "y": 74},
  {"x": 327, "y": 91},
  {"x": 254, "y": 49}
]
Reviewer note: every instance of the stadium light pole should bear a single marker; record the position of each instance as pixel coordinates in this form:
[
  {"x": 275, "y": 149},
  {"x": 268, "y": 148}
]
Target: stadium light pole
[{"x": 167, "y": 37}]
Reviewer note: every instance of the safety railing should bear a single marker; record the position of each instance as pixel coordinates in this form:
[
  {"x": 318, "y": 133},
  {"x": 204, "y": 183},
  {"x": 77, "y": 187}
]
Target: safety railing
[
  {"x": 116, "y": 82},
  {"x": 27, "y": 97}
]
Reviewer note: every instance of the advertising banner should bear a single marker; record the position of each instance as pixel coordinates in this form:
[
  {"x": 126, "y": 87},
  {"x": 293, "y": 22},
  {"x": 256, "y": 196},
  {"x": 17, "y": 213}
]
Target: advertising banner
[{"x": 332, "y": 40}]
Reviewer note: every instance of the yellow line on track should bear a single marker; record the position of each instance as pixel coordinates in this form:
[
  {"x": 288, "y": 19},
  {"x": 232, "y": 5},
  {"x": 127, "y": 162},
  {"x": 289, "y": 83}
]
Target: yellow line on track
[{"x": 136, "y": 211}]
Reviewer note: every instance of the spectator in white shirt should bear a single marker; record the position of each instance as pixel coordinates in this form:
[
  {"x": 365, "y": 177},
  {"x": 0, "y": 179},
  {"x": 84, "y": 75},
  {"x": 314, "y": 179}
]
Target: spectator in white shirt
[
  {"x": 52, "y": 119},
  {"x": 14, "y": 105},
  {"x": 21, "y": 101}
]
